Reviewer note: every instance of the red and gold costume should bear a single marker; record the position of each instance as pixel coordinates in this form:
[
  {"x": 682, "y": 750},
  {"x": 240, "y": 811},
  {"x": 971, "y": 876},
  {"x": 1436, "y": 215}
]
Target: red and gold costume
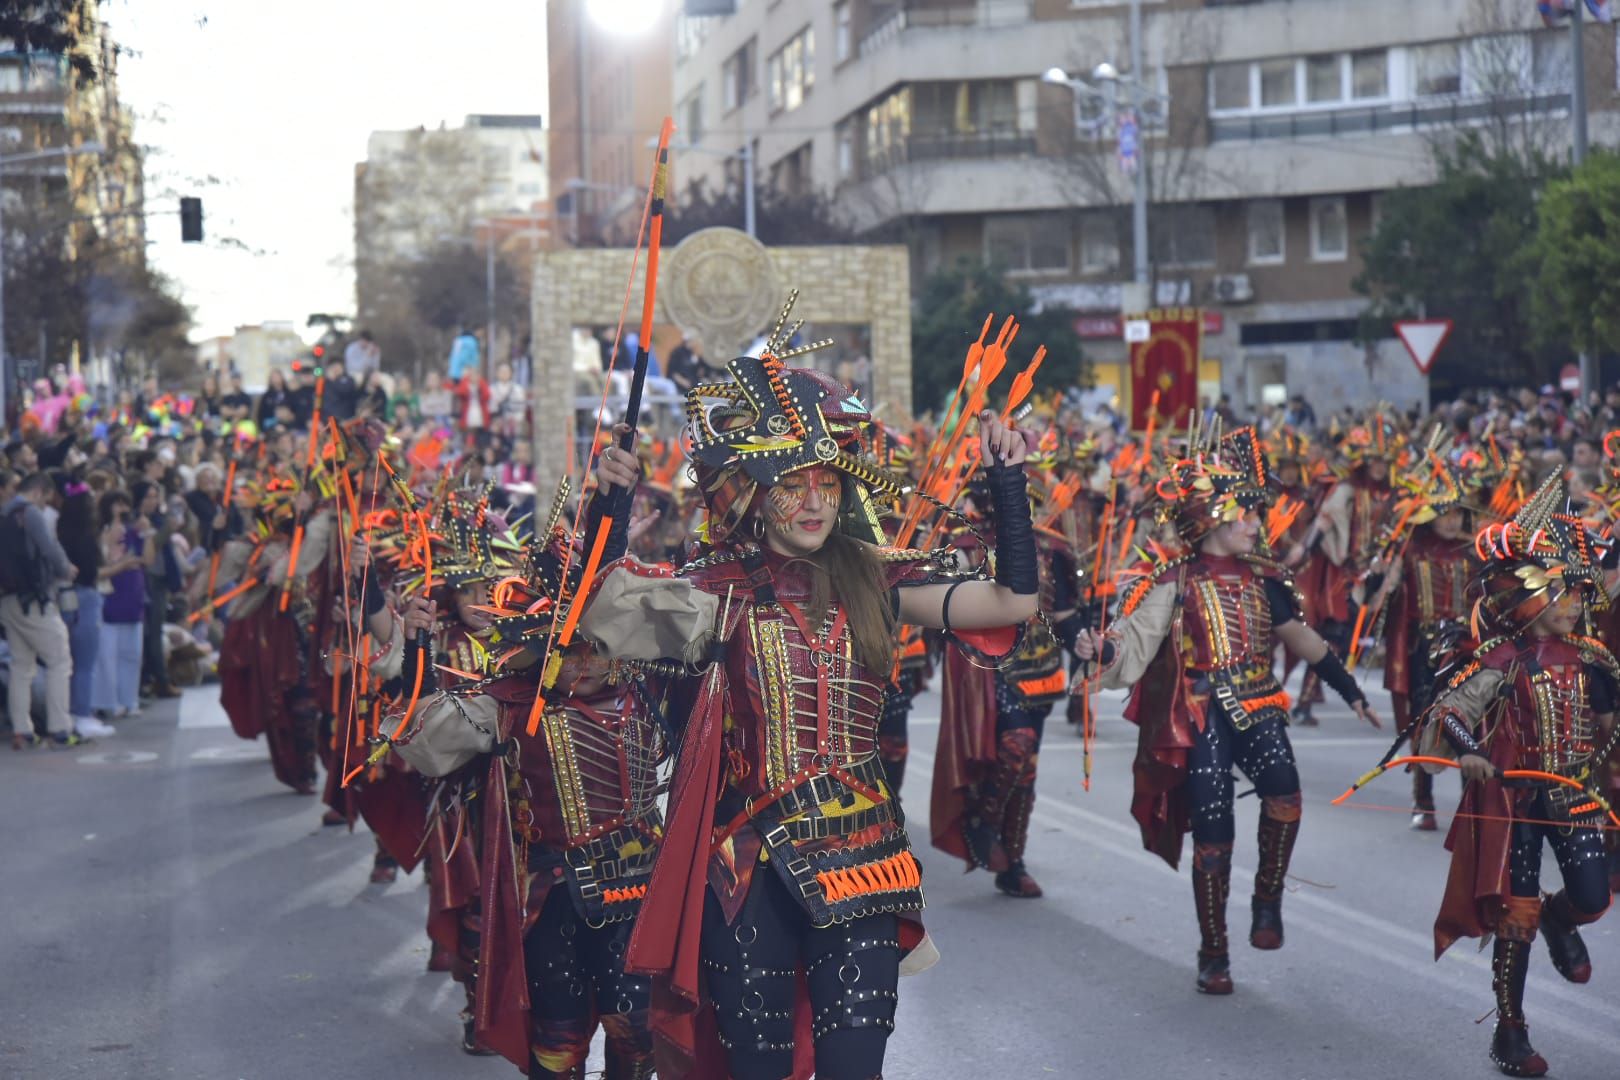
[{"x": 1529, "y": 700}]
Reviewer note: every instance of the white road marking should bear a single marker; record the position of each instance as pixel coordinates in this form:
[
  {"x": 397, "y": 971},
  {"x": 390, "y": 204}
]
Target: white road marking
[
  {"x": 1463, "y": 973},
  {"x": 117, "y": 757},
  {"x": 200, "y": 708}
]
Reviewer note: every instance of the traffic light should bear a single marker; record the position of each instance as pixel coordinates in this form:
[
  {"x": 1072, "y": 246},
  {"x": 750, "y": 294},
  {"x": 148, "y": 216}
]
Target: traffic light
[
  {"x": 191, "y": 229},
  {"x": 319, "y": 351}
]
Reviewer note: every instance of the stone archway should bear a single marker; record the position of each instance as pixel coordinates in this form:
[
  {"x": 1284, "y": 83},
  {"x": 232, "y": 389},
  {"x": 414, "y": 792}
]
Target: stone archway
[{"x": 728, "y": 286}]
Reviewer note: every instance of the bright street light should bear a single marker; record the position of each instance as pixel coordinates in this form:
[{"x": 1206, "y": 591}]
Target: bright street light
[
  {"x": 1105, "y": 72},
  {"x": 624, "y": 16}
]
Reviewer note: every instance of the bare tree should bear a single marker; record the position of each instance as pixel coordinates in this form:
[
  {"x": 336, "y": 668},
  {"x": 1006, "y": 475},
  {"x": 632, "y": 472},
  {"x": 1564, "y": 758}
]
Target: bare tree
[{"x": 410, "y": 202}]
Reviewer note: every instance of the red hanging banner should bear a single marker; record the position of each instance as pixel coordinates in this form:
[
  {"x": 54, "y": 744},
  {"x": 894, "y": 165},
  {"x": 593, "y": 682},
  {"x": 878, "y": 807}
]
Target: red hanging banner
[{"x": 1165, "y": 347}]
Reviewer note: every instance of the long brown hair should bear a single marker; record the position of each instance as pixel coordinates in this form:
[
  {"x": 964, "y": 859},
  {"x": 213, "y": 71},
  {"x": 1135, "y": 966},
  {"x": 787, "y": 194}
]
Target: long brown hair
[{"x": 848, "y": 572}]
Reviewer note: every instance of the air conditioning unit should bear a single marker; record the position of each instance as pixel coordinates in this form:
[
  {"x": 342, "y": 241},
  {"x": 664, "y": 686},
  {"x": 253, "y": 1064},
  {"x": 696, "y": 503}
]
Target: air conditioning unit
[{"x": 1232, "y": 288}]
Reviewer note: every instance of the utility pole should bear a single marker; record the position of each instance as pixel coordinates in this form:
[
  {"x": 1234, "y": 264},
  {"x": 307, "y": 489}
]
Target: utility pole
[
  {"x": 1577, "y": 116},
  {"x": 1139, "y": 208}
]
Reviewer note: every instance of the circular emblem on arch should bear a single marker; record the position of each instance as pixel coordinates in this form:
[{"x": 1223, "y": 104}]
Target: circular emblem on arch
[{"x": 721, "y": 283}]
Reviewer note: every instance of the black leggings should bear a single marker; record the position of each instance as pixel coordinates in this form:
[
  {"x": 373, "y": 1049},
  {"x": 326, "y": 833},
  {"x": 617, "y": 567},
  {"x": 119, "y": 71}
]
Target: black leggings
[
  {"x": 1262, "y": 752},
  {"x": 1580, "y": 859},
  {"x": 853, "y": 972},
  {"x": 576, "y": 976}
]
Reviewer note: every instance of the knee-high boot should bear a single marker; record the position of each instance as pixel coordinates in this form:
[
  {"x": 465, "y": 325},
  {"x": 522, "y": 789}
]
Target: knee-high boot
[
  {"x": 1423, "y": 819},
  {"x": 1510, "y": 1045},
  {"x": 1559, "y": 927},
  {"x": 1212, "y": 881},
  {"x": 1279, "y": 827},
  {"x": 1016, "y": 880},
  {"x": 982, "y": 828}
]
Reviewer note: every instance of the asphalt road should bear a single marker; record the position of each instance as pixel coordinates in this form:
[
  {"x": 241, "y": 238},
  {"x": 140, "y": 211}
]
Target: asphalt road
[{"x": 173, "y": 912}]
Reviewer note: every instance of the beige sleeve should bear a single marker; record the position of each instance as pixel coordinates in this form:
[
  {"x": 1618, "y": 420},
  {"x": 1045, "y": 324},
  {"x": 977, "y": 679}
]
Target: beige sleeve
[
  {"x": 1136, "y": 637},
  {"x": 446, "y": 732},
  {"x": 312, "y": 551},
  {"x": 1470, "y": 701},
  {"x": 1335, "y": 519},
  {"x": 392, "y": 661}
]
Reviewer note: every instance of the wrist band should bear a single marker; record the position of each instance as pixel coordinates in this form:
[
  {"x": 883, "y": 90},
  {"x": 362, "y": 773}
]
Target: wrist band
[{"x": 1017, "y": 566}]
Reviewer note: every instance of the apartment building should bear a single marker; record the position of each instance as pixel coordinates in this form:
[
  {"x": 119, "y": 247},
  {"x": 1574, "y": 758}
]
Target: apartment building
[
  {"x": 610, "y": 91},
  {"x": 1286, "y": 121},
  {"x": 74, "y": 207},
  {"x": 484, "y": 183}
]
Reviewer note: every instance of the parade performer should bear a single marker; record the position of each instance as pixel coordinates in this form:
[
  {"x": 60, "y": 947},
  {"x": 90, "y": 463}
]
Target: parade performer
[
  {"x": 992, "y": 718},
  {"x": 1536, "y": 698},
  {"x": 1426, "y": 593},
  {"x": 268, "y": 658},
  {"x": 1344, "y": 539},
  {"x": 569, "y": 827},
  {"x": 1195, "y": 639},
  {"x": 786, "y": 890}
]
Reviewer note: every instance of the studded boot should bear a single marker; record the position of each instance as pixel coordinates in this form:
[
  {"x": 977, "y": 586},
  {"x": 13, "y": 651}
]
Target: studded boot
[
  {"x": 1559, "y": 927},
  {"x": 1016, "y": 880},
  {"x": 1279, "y": 827},
  {"x": 1510, "y": 1045},
  {"x": 538, "y": 1071},
  {"x": 625, "y": 1066},
  {"x": 981, "y": 830},
  {"x": 1212, "y": 881}
]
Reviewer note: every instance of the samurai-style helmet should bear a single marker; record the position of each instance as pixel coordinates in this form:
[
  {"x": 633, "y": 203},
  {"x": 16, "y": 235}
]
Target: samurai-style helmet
[
  {"x": 1221, "y": 478},
  {"x": 772, "y": 420},
  {"x": 1434, "y": 484},
  {"x": 477, "y": 545},
  {"x": 1377, "y": 438},
  {"x": 1534, "y": 559}
]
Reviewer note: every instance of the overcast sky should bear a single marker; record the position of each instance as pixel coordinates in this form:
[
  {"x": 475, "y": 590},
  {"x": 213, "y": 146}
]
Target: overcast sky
[{"x": 274, "y": 101}]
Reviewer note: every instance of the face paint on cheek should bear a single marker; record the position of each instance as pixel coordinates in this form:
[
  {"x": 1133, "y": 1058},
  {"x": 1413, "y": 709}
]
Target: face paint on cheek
[{"x": 781, "y": 504}]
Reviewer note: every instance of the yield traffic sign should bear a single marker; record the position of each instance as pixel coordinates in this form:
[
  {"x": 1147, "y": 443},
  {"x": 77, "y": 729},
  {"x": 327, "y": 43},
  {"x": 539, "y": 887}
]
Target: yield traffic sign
[{"x": 1423, "y": 338}]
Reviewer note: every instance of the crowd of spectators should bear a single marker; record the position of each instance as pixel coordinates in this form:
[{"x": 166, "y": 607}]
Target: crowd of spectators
[{"x": 118, "y": 512}]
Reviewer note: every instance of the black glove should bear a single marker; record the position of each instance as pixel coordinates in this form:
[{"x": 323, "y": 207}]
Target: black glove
[
  {"x": 618, "y": 541},
  {"x": 1016, "y": 563}
]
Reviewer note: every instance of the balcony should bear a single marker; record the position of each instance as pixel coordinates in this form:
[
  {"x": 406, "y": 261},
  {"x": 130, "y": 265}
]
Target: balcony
[
  {"x": 1403, "y": 116},
  {"x": 950, "y": 146},
  {"x": 888, "y": 25}
]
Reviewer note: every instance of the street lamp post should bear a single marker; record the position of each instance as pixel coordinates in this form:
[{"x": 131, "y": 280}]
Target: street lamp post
[
  {"x": 1139, "y": 96},
  {"x": 18, "y": 159}
]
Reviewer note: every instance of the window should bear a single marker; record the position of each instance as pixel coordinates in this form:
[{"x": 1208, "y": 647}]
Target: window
[
  {"x": 1099, "y": 243},
  {"x": 1268, "y": 239},
  {"x": 1330, "y": 233},
  {"x": 1324, "y": 79},
  {"x": 1277, "y": 84},
  {"x": 1550, "y": 65},
  {"x": 1436, "y": 69},
  {"x": 1229, "y": 86},
  {"x": 846, "y": 149},
  {"x": 1027, "y": 243},
  {"x": 843, "y": 31},
  {"x": 790, "y": 71},
  {"x": 737, "y": 76},
  {"x": 888, "y": 128},
  {"x": 691, "y": 113},
  {"x": 1369, "y": 74},
  {"x": 1189, "y": 236},
  {"x": 966, "y": 108}
]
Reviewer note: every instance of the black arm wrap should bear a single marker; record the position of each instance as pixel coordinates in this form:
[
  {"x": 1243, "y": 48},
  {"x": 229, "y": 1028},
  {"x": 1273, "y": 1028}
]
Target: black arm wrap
[
  {"x": 372, "y": 599},
  {"x": 1330, "y": 669},
  {"x": 618, "y": 541},
  {"x": 1016, "y": 562},
  {"x": 1457, "y": 734},
  {"x": 416, "y": 654}
]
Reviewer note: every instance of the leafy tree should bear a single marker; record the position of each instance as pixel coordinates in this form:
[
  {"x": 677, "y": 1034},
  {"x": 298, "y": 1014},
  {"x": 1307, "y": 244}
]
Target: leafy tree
[
  {"x": 52, "y": 26},
  {"x": 1459, "y": 250},
  {"x": 947, "y": 314},
  {"x": 780, "y": 220},
  {"x": 448, "y": 288},
  {"x": 1576, "y": 291}
]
